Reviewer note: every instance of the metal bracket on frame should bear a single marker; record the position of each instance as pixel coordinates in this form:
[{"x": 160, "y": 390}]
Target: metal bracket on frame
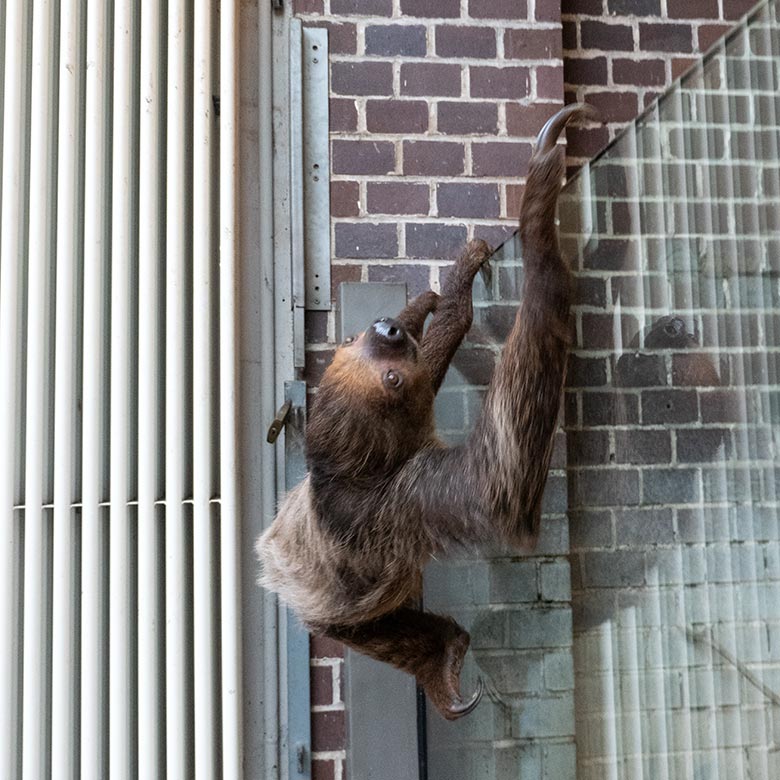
[
  {"x": 297, "y": 638},
  {"x": 309, "y": 174}
]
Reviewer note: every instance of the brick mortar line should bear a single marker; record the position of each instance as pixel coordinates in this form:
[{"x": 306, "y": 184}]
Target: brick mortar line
[
  {"x": 633, "y": 56},
  {"x": 554, "y": 650},
  {"x": 655, "y": 467},
  {"x": 465, "y": 179},
  {"x": 727, "y": 504},
  {"x": 431, "y": 24},
  {"x": 630, "y": 89},
  {"x": 692, "y": 312},
  {"x": 716, "y": 236},
  {"x": 434, "y": 22},
  {"x": 637, "y": 427},
  {"x": 719, "y": 163},
  {"x": 522, "y": 606},
  {"x": 470, "y": 140},
  {"x": 465, "y": 61},
  {"x": 660, "y": 308},
  {"x": 329, "y": 755},
  {"x": 629, "y": 20},
  {"x": 546, "y": 741},
  {"x": 336, "y": 706},
  {"x": 524, "y": 102},
  {"x": 435, "y": 136},
  {"x": 604, "y": 354},
  {"x": 419, "y": 219}
]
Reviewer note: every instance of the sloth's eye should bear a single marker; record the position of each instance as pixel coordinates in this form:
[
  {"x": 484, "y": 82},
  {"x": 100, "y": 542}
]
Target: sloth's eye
[
  {"x": 349, "y": 340},
  {"x": 393, "y": 379}
]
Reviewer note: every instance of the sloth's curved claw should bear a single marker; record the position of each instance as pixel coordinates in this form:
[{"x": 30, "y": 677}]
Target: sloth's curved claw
[
  {"x": 574, "y": 112},
  {"x": 456, "y": 711}
]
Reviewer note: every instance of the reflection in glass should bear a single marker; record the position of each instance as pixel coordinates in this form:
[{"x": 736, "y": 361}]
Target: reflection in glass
[
  {"x": 672, "y": 420},
  {"x": 646, "y": 628}
]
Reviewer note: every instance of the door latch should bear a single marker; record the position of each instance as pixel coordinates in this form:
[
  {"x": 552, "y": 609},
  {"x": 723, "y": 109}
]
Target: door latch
[{"x": 279, "y": 421}]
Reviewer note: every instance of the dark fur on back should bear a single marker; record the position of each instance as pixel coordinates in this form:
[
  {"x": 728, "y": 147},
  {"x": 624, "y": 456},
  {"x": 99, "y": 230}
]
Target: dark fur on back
[{"x": 383, "y": 494}]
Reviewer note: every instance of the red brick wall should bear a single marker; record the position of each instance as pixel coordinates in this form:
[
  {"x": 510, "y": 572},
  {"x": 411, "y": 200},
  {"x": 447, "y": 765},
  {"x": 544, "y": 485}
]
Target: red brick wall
[
  {"x": 621, "y": 54},
  {"x": 434, "y": 107},
  {"x": 328, "y": 721}
]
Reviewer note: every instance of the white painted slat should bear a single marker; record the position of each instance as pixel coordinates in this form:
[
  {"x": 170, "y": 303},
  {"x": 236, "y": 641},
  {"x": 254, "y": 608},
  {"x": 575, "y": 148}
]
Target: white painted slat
[
  {"x": 94, "y": 758},
  {"x": 150, "y": 262},
  {"x": 11, "y": 247},
  {"x": 63, "y": 751},
  {"x": 178, "y": 683},
  {"x": 121, "y": 694},
  {"x": 230, "y": 535},
  {"x": 98, "y": 715},
  {"x": 203, "y": 572},
  {"x": 35, "y": 702}
]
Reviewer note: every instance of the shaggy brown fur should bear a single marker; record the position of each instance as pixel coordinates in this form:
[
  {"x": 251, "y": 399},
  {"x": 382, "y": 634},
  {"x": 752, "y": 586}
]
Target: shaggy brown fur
[{"x": 383, "y": 495}]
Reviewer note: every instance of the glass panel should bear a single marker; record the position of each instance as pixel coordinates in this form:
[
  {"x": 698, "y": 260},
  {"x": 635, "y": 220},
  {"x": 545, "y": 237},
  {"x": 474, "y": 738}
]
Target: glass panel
[
  {"x": 672, "y": 420},
  {"x": 516, "y": 607},
  {"x": 658, "y": 650}
]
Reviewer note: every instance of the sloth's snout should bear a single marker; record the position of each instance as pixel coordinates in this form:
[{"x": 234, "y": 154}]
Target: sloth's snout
[{"x": 388, "y": 332}]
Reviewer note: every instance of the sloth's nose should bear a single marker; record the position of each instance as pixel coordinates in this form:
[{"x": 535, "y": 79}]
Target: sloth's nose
[{"x": 389, "y": 331}]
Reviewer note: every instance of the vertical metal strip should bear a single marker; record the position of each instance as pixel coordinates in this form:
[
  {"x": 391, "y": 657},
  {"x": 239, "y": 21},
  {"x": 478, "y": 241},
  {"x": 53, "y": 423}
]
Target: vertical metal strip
[
  {"x": 316, "y": 166},
  {"x": 63, "y": 752},
  {"x": 94, "y": 758},
  {"x": 150, "y": 263},
  {"x": 178, "y": 709},
  {"x": 120, "y": 636},
  {"x": 273, "y": 350},
  {"x": 297, "y": 238},
  {"x": 298, "y": 708},
  {"x": 35, "y": 725},
  {"x": 230, "y": 529},
  {"x": 203, "y": 579}
]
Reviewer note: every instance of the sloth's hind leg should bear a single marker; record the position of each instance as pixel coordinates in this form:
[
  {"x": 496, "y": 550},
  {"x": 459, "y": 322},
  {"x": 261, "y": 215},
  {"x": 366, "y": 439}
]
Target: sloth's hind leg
[{"x": 430, "y": 647}]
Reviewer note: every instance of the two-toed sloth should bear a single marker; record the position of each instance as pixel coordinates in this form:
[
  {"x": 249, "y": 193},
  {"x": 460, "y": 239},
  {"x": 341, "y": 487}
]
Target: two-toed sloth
[{"x": 383, "y": 494}]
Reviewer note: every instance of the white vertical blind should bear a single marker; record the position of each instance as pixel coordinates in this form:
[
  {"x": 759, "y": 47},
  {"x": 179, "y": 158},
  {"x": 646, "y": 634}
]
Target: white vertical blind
[
  {"x": 176, "y": 518},
  {"x": 121, "y": 747},
  {"x": 151, "y": 257},
  {"x": 203, "y": 488},
  {"x": 64, "y": 668},
  {"x": 232, "y": 729},
  {"x": 119, "y": 646},
  {"x": 97, "y": 207},
  {"x": 36, "y": 608}
]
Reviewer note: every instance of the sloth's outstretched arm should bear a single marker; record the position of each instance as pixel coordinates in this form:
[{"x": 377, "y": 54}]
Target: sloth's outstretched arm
[
  {"x": 454, "y": 312},
  {"x": 416, "y": 311},
  {"x": 492, "y": 486}
]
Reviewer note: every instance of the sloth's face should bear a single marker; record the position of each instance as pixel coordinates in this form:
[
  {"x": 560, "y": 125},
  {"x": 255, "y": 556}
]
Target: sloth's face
[
  {"x": 374, "y": 406},
  {"x": 384, "y": 357}
]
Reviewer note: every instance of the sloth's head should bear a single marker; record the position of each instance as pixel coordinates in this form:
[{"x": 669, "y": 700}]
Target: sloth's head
[
  {"x": 385, "y": 356},
  {"x": 375, "y": 402}
]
